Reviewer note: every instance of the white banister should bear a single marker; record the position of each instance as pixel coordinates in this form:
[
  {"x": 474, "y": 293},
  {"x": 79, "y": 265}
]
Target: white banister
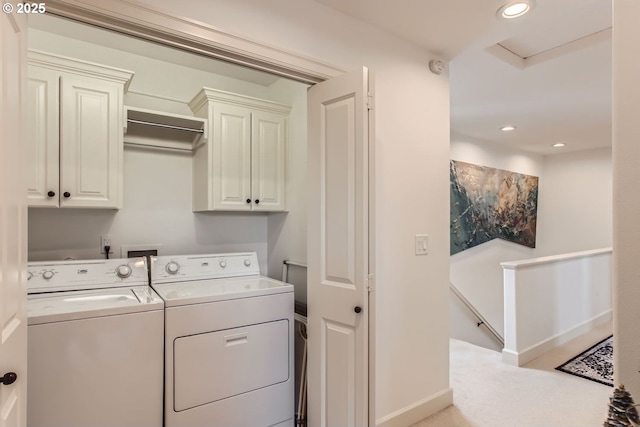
[
  {"x": 550, "y": 300},
  {"x": 532, "y": 262}
]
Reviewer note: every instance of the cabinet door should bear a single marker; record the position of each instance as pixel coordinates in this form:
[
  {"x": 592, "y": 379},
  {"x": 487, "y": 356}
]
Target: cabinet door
[
  {"x": 268, "y": 160},
  {"x": 42, "y": 137},
  {"x": 90, "y": 143},
  {"x": 231, "y": 185}
]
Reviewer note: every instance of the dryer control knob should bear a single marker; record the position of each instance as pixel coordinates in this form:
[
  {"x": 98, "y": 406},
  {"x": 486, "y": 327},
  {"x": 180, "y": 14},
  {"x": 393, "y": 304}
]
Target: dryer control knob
[
  {"x": 247, "y": 262},
  {"x": 172, "y": 267},
  {"x": 123, "y": 271},
  {"x": 47, "y": 274},
  {"x": 223, "y": 264}
]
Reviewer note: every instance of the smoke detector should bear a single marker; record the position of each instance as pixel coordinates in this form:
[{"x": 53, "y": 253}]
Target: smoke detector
[{"x": 436, "y": 66}]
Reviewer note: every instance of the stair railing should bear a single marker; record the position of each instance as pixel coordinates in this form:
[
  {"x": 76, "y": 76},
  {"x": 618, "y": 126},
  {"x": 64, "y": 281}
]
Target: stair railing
[{"x": 481, "y": 320}]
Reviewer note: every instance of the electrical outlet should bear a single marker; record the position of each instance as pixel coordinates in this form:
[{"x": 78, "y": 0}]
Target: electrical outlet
[{"x": 105, "y": 241}]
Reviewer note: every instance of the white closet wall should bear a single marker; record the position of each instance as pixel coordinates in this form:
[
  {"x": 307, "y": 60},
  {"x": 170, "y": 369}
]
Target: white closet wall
[{"x": 157, "y": 207}]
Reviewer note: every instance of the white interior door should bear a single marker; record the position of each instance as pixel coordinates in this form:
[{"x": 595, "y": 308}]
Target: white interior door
[
  {"x": 13, "y": 220},
  {"x": 338, "y": 251}
]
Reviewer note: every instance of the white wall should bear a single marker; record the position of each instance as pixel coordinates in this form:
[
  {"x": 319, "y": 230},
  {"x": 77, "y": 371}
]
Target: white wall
[
  {"x": 157, "y": 204},
  {"x": 157, "y": 209},
  {"x": 175, "y": 83},
  {"x": 287, "y": 233},
  {"x": 626, "y": 181},
  {"x": 575, "y": 202},
  {"x": 574, "y": 214},
  {"x": 412, "y": 151}
]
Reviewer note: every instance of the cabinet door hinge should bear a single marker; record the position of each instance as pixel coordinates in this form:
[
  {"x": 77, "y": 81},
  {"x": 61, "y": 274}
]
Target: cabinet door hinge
[{"x": 370, "y": 100}]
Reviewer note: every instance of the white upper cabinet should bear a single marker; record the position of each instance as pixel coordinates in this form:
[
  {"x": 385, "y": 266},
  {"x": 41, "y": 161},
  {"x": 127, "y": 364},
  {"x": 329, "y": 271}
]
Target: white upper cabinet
[
  {"x": 75, "y": 114},
  {"x": 42, "y": 137},
  {"x": 268, "y": 167},
  {"x": 242, "y": 166}
]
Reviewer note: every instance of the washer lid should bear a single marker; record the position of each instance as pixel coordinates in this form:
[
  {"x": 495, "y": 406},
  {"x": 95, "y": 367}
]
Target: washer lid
[
  {"x": 199, "y": 291},
  {"x": 62, "y": 306}
]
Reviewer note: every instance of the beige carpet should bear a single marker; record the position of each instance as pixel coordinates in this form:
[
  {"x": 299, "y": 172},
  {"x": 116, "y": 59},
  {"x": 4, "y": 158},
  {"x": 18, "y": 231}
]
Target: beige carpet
[{"x": 490, "y": 393}]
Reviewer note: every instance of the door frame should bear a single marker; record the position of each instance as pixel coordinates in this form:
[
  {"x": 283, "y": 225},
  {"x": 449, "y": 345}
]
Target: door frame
[
  {"x": 150, "y": 23},
  {"x": 13, "y": 219}
]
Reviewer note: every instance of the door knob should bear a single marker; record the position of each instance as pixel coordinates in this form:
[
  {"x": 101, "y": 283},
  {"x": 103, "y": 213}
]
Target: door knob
[
  {"x": 257, "y": 201},
  {"x": 8, "y": 378},
  {"x": 67, "y": 194},
  {"x": 357, "y": 309},
  {"x": 51, "y": 193},
  {"x": 248, "y": 200}
]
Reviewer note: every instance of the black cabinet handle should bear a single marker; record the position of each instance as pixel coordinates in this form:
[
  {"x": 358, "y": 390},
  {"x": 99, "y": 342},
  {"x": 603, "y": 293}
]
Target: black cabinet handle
[
  {"x": 357, "y": 309},
  {"x": 8, "y": 378},
  {"x": 67, "y": 194},
  {"x": 257, "y": 201},
  {"x": 51, "y": 193},
  {"x": 248, "y": 200}
]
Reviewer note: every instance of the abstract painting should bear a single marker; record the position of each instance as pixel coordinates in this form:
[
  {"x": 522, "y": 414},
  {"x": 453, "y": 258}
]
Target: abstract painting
[{"x": 488, "y": 203}]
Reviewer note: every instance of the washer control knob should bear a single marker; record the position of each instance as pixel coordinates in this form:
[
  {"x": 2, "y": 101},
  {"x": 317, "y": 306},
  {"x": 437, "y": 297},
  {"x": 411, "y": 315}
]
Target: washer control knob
[
  {"x": 223, "y": 264},
  {"x": 47, "y": 274},
  {"x": 172, "y": 267},
  {"x": 247, "y": 262},
  {"x": 123, "y": 271}
]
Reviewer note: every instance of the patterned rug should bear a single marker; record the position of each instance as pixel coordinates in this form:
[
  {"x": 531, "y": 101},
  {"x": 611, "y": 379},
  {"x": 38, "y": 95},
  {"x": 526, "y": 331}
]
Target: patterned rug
[{"x": 595, "y": 364}]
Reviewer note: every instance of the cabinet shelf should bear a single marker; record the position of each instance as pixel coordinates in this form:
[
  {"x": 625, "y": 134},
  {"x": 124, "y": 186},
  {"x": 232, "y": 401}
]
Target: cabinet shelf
[{"x": 157, "y": 129}]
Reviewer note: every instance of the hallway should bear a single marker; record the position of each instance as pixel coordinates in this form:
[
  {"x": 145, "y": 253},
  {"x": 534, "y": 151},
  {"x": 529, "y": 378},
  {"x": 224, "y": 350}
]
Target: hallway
[{"x": 489, "y": 393}]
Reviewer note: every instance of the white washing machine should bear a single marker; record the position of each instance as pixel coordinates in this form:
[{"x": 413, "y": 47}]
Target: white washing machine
[
  {"x": 229, "y": 342},
  {"x": 95, "y": 345}
]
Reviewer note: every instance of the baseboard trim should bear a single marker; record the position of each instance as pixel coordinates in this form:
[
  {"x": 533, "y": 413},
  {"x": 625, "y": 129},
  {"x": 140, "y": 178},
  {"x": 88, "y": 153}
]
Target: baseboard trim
[
  {"x": 510, "y": 357},
  {"x": 527, "y": 355},
  {"x": 418, "y": 411}
]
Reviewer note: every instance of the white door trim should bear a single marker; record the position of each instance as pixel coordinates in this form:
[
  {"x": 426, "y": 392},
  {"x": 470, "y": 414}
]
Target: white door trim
[
  {"x": 133, "y": 18},
  {"x": 13, "y": 219}
]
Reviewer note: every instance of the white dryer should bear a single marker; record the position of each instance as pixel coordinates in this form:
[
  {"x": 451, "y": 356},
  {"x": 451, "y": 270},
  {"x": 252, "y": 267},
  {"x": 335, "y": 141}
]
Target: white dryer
[
  {"x": 95, "y": 345},
  {"x": 228, "y": 342}
]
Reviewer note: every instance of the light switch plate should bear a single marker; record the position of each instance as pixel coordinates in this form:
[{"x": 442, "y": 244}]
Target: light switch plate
[{"x": 422, "y": 244}]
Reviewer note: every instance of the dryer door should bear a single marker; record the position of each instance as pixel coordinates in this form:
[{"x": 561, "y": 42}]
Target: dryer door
[{"x": 217, "y": 365}]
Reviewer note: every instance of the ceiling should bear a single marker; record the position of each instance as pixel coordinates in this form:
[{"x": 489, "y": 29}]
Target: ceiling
[{"x": 548, "y": 73}]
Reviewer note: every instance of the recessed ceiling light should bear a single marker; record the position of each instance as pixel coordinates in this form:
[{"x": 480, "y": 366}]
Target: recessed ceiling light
[
  {"x": 507, "y": 128},
  {"x": 559, "y": 144},
  {"x": 514, "y": 9}
]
